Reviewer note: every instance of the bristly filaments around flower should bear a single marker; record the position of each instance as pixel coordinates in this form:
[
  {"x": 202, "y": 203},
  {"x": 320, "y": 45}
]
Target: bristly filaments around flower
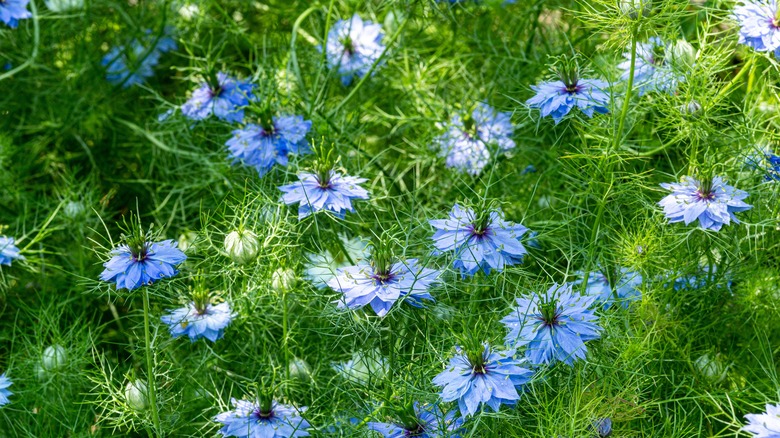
[
  {"x": 382, "y": 258},
  {"x": 550, "y": 312},
  {"x": 476, "y": 358},
  {"x": 567, "y": 69},
  {"x": 324, "y": 165}
]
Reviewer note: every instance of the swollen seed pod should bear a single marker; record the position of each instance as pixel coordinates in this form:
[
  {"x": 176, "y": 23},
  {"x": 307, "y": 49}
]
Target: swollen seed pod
[
  {"x": 283, "y": 279},
  {"x": 135, "y": 394},
  {"x": 710, "y": 367},
  {"x": 299, "y": 369},
  {"x": 632, "y": 8},
  {"x": 73, "y": 209},
  {"x": 242, "y": 246},
  {"x": 683, "y": 55},
  {"x": 53, "y": 357}
]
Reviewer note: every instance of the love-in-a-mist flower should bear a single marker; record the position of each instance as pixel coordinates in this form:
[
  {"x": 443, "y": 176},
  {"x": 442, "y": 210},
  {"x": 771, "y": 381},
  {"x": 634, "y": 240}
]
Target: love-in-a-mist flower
[
  {"x": 138, "y": 262},
  {"x": 422, "y": 421},
  {"x": 653, "y": 68},
  {"x": 8, "y": 251},
  {"x": 325, "y": 189},
  {"x": 382, "y": 281},
  {"x": 483, "y": 376},
  {"x": 353, "y": 46},
  {"x": 467, "y": 139},
  {"x": 269, "y": 142},
  {"x": 133, "y": 63},
  {"x": 710, "y": 200},
  {"x": 765, "y": 425},
  {"x": 322, "y": 267},
  {"x": 5, "y": 382},
  {"x": 557, "y": 98},
  {"x": 199, "y": 318},
  {"x": 11, "y": 11},
  {"x": 552, "y": 326},
  {"x": 625, "y": 291},
  {"x": 759, "y": 25},
  {"x": 221, "y": 95},
  {"x": 479, "y": 241},
  {"x": 269, "y": 419},
  {"x": 765, "y": 161}
]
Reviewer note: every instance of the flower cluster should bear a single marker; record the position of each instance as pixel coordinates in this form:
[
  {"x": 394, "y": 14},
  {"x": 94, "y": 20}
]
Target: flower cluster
[
  {"x": 467, "y": 138},
  {"x": 353, "y": 47},
  {"x": 265, "y": 145},
  {"x": 711, "y": 201},
  {"x": 552, "y": 326},
  {"x": 485, "y": 241}
]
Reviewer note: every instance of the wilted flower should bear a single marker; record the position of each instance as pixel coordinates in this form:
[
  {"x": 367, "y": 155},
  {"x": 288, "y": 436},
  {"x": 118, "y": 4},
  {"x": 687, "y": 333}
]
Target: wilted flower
[
  {"x": 353, "y": 46},
  {"x": 552, "y": 326},
  {"x": 5, "y": 382},
  {"x": 133, "y": 64},
  {"x": 11, "y": 11},
  {"x": 253, "y": 420},
  {"x": 467, "y": 137},
  {"x": 381, "y": 285},
  {"x": 53, "y": 357},
  {"x": 265, "y": 145},
  {"x": 8, "y": 251},
  {"x": 486, "y": 377},
  {"x": 653, "y": 70},
  {"x": 330, "y": 191},
  {"x": 138, "y": 262},
  {"x": 766, "y": 425},
  {"x": 242, "y": 245},
  {"x": 364, "y": 367},
  {"x": 424, "y": 421},
  {"x": 711, "y": 201},
  {"x": 758, "y": 25},
  {"x": 136, "y": 392},
  {"x": 322, "y": 267},
  {"x": 485, "y": 241},
  {"x": 625, "y": 291},
  {"x": 557, "y": 98},
  {"x": 223, "y": 96},
  {"x": 199, "y": 319}
]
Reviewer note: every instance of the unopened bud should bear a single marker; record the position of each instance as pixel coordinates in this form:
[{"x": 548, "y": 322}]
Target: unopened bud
[
  {"x": 73, "y": 209},
  {"x": 633, "y": 8},
  {"x": 64, "y": 5},
  {"x": 53, "y": 357},
  {"x": 283, "y": 279},
  {"x": 691, "y": 108},
  {"x": 242, "y": 246},
  {"x": 299, "y": 369},
  {"x": 710, "y": 367},
  {"x": 683, "y": 55},
  {"x": 135, "y": 394}
]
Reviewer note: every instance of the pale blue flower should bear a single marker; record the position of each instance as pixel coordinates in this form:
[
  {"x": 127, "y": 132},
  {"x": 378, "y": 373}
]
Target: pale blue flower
[
  {"x": 353, "y": 46},
  {"x": 8, "y": 251},
  {"x": 626, "y": 288},
  {"x": 653, "y": 70},
  {"x": 134, "y": 267},
  {"x": 262, "y": 147},
  {"x": 223, "y": 96},
  {"x": 759, "y": 26},
  {"x": 249, "y": 420},
  {"x": 557, "y": 98},
  {"x": 334, "y": 193},
  {"x": 5, "y": 382},
  {"x": 206, "y": 321},
  {"x": 765, "y": 425},
  {"x": 426, "y": 421},
  {"x": 712, "y": 202},
  {"x": 11, "y": 11}
]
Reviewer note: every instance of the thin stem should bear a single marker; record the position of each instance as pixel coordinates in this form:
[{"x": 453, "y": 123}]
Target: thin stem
[
  {"x": 285, "y": 330},
  {"x": 150, "y": 367},
  {"x": 745, "y": 68},
  {"x": 36, "y": 44}
]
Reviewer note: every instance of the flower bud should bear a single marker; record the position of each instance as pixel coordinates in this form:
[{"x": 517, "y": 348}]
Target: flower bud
[
  {"x": 53, "y": 357},
  {"x": 188, "y": 12},
  {"x": 64, "y": 5},
  {"x": 683, "y": 55},
  {"x": 187, "y": 240},
  {"x": 710, "y": 367},
  {"x": 632, "y": 8},
  {"x": 135, "y": 394},
  {"x": 691, "y": 108},
  {"x": 283, "y": 279},
  {"x": 73, "y": 209},
  {"x": 299, "y": 369},
  {"x": 242, "y": 246}
]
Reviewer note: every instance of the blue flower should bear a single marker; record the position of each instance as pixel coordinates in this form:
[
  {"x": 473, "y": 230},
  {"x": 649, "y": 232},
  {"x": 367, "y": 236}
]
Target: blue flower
[
  {"x": 8, "y": 251},
  {"x": 466, "y": 140},
  {"x": 364, "y": 284},
  {"x": 5, "y": 382},
  {"x": 488, "y": 377},
  {"x": 333, "y": 193},
  {"x": 250, "y": 420},
  {"x": 134, "y": 64},
  {"x": 205, "y": 321},
  {"x": 552, "y": 326},
  {"x": 766, "y": 425},
  {"x": 557, "y": 98},
  {"x": 353, "y": 46},
  {"x": 626, "y": 290},
  {"x": 652, "y": 69},
  {"x": 264, "y": 146},
  {"x": 759, "y": 27},
  {"x": 133, "y": 268},
  {"x": 11, "y": 11},
  {"x": 224, "y": 97},
  {"x": 427, "y": 421},
  {"x": 765, "y": 161},
  {"x": 603, "y": 427},
  {"x": 485, "y": 242},
  {"x": 712, "y": 202}
]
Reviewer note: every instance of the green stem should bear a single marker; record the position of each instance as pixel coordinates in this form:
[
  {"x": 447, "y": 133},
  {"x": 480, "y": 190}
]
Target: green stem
[
  {"x": 36, "y": 44},
  {"x": 285, "y": 332},
  {"x": 745, "y": 68},
  {"x": 150, "y": 367}
]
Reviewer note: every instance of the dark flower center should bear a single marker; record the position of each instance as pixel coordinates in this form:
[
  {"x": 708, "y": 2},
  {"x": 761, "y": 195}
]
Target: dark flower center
[
  {"x": 263, "y": 415},
  {"x": 349, "y": 45},
  {"x": 383, "y": 277},
  {"x": 414, "y": 430},
  {"x": 477, "y": 361},
  {"x": 323, "y": 180},
  {"x": 139, "y": 251},
  {"x": 550, "y": 313},
  {"x": 215, "y": 91},
  {"x": 573, "y": 88}
]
